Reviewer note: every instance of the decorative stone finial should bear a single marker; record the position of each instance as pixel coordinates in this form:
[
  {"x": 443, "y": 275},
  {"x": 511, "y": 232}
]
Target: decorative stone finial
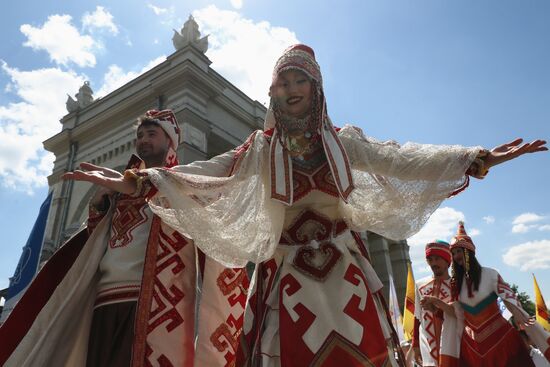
[
  {"x": 84, "y": 97},
  {"x": 190, "y": 34}
]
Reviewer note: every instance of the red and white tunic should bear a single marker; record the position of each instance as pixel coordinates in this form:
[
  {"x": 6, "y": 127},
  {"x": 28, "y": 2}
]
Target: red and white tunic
[
  {"x": 488, "y": 339},
  {"x": 314, "y": 302},
  {"x": 430, "y": 324},
  {"x": 121, "y": 268}
]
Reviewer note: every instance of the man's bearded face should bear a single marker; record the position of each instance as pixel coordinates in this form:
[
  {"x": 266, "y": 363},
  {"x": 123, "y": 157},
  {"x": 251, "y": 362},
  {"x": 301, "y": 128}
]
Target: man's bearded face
[{"x": 438, "y": 265}]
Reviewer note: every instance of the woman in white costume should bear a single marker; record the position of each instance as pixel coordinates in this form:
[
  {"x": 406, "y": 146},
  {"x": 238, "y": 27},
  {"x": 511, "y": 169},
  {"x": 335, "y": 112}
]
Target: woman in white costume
[
  {"x": 488, "y": 338},
  {"x": 291, "y": 200}
]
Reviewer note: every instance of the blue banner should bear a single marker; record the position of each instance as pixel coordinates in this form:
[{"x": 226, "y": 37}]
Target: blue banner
[{"x": 28, "y": 262}]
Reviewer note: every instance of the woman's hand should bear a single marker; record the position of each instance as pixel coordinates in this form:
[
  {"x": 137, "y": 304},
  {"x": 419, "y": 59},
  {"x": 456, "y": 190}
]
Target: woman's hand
[
  {"x": 106, "y": 177},
  {"x": 514, "y": 149},
  {"x": 98, "y": 200},
  {"x": 523, "y": 321}
]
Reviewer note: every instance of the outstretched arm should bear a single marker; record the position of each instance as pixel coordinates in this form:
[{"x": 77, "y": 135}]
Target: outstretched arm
[
  {"x": 521, "y": 317},
  {"x": 105, "y": 177},
  {"x": 100, "y": 197}
]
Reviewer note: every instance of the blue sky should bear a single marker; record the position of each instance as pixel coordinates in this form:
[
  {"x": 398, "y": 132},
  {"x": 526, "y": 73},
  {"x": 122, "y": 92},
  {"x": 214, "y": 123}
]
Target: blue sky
[{"x": 443, "y": 72}]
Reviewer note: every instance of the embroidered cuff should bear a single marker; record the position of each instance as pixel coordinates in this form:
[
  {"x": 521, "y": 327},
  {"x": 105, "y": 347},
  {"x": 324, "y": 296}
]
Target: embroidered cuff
[
  {"x": 143, "y": 184},
  {"x": 478, "y": 168}
]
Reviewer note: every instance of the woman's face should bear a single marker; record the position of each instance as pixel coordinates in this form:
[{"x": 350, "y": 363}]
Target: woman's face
[
  {"x": 292, "y": 91},
  {"x": 458, "y": 255}
]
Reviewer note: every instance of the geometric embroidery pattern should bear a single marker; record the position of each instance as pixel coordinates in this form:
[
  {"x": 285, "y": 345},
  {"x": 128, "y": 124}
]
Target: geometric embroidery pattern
[
  {"x": 233, "y": 285},
  {"x": 338, "y": 351},
  {"x": 441, "y": 290},
  {"x": 166, "y": 297},
  {"x": 321, "y": 179},
  {"x": 161, "y": 317},
  {"x": 316, "y": 263},
  {"x": 128, "y": 215}
]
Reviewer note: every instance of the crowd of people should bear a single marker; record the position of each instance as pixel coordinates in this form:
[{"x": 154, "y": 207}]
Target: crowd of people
[{"x": 159, "y": 276}]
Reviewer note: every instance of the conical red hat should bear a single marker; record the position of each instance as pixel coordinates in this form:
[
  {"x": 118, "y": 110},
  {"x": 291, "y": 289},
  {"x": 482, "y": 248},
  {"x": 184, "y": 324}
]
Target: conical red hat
[{"x": 461, "y": 239}]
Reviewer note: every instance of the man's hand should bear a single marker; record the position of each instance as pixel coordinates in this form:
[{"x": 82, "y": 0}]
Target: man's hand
[
  {"x": 428, "y": 303},
  {"x": 106, "y": 177}
]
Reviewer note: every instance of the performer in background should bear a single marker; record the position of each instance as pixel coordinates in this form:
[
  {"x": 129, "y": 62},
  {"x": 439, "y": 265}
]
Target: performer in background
[
  {"x": 123, "y": 291},
  {"x": 297, "y": 196},
  {"x": 430, "y": 346},
  {"x": 487, "y": 338}
]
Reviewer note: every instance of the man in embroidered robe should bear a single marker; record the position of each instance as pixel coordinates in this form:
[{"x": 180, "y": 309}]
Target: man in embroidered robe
[
  {"x": 138, "y": 275},
  {"x": 428, "y": 346}
]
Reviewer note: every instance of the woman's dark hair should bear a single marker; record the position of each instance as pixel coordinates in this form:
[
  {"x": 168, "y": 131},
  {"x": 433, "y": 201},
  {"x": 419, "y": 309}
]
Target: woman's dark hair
[{"x": 474, "y": 273}]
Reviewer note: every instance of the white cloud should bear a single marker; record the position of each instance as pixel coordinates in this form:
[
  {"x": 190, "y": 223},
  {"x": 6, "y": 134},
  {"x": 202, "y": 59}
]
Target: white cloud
[
  {"x": 62, "y": 41},
  {"x": 157, "y": 10},
  {"x": 167, "y": 15},
  {"x": 116, "y": 77},
  {"x": 489, "y": 219},
  {"x": 24, "y": 164},
  {"x": 529, "y": 255},
  {"x": 242, "y": 50},
  {"x": 525, "y": 222},
  {"x": 474, "y": 232},
  {"x": 237, "y": 4},
  {"x": 527, "y": 218},
  {"x": 99, "y": 19},
  {"x": 441, "y": 225},
  {"x": 521, "y": 228}
]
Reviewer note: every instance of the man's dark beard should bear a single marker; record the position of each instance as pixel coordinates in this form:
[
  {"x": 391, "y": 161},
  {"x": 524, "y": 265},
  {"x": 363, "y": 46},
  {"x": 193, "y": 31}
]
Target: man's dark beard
[
  {"x": 154, "y": 160},
  {"x": 439, "y": 270}
]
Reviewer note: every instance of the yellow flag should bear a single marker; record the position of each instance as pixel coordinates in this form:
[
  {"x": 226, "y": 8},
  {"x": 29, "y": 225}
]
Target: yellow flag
[
  {"x": 542, "y": 311},
  {"x": 408, "y": 312}
]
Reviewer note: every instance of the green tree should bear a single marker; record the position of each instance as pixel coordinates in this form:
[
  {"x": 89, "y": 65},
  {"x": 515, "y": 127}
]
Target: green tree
[{"x": 525, "y": 300}]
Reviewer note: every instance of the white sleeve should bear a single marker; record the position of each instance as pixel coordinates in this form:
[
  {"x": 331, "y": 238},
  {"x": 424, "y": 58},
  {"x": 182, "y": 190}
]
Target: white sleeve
[
  {"x": 397, "y": 188},
  {"x": 410, "y": 161},
  {"x": 218, "y": 166}
]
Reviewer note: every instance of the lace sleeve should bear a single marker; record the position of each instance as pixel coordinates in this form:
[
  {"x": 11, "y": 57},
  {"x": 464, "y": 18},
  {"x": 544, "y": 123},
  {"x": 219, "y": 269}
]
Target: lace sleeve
[
  {"x": 397, "y": 188},
  {"x": 410, "y": 161},
  {"x": 218, "y": 166},
  {"x": 231, "y": 219}
]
